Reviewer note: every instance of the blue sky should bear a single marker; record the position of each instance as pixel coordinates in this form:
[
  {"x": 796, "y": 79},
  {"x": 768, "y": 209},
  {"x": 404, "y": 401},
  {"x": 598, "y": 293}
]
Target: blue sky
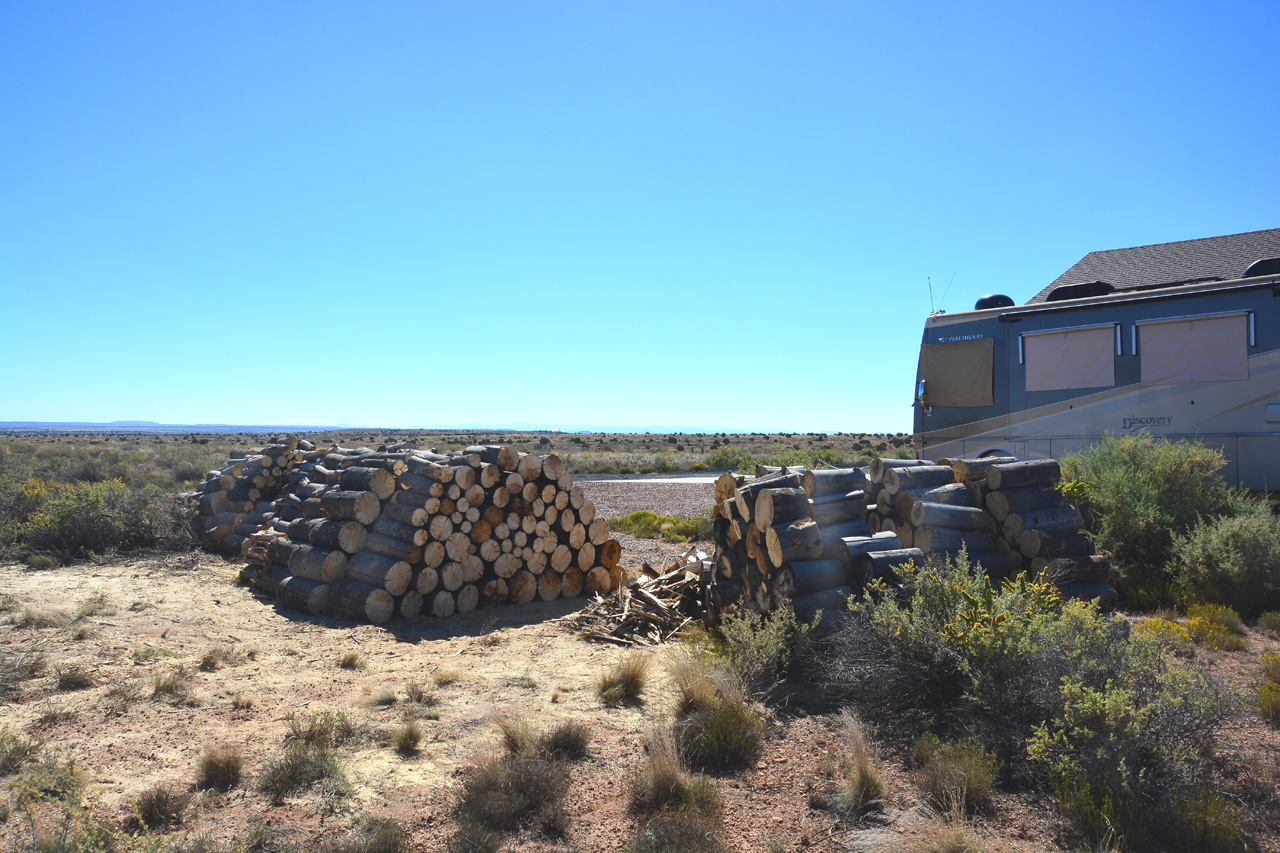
[{"x": 428, "y": 214}]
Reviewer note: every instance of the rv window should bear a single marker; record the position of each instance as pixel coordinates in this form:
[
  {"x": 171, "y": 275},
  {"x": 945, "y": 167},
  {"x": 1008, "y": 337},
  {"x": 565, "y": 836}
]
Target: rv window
[
  {"x": 1194, "y": 349},
  {"x": 1060, "y": 359},
  {"x": 958, "y": 374}
]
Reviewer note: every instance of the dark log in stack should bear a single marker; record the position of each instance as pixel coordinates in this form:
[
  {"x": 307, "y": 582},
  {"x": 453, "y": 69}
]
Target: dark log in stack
[{"x": 399, "y": 532}]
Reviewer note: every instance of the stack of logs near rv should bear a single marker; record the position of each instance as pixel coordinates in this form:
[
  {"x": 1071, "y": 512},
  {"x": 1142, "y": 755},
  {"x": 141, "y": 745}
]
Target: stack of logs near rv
[
  {"x": 397, "y": 532},
  {"x": 818, "y": 536}
]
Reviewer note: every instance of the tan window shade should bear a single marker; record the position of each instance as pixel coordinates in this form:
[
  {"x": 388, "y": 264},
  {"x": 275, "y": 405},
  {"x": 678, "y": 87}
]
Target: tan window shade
[
  {"x": 1194, "y": 349},
  {"x": 958, "y": 374},
  {"x": 1070, "y": 358}
]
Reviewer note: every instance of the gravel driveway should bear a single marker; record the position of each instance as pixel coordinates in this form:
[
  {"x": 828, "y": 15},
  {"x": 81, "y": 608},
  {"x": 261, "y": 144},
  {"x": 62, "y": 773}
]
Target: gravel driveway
[{"x": 619, "y": 497}]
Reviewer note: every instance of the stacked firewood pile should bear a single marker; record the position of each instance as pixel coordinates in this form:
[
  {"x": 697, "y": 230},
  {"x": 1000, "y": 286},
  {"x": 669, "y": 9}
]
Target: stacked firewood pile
[
  {"x": 398, "y": 532},
  {"x": 818, "y": 536}
]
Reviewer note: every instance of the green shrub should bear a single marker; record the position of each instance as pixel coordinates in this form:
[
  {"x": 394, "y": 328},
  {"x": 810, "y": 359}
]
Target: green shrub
[
  {"x": 1232, "y": 559},
  {"x": 954, "y": 774},
  {"x": 1270, "y": 662},
  {"x": 723, "y": 737},
  {"x": 302, "y": 764},
  {"x": 760, "y": 649},
  {"x": 16, "y": 751},
  {"x": 1213, "y": 635},
  {"x": 1172, "y": 636},
  {"x": 1207, "y": 822},
  {"x": 80, "y": 518},
  {"x": 1270, "y": 620},
  {"x": 1218, "y": 614},
  {"x": 1137, "y": 493},
  {"x": 644, "y": 524},
  {"x": 1268, "y": 701}
]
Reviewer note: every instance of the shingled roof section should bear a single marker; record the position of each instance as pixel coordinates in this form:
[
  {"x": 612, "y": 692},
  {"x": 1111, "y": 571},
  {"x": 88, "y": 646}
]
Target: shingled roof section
[{"x": 1206, "y": 259}]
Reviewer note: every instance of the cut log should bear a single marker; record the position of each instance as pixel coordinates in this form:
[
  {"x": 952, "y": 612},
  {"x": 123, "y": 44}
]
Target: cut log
[
  {"x": 918, "y": 477},
  {"x": 745, "y": 495},
  {"x": 587, "y": 513},
  {"x": 597, "y": 581},
  {"x": 1059, "y": 520},
  {"x": 506, "y": 566},
  {"x": 523, "y": 587},
  {"x": 304, "y": 594},
  {"x": 879, "y": 465},
  {"x": 833, "y": 509},
  {"x": 384, "y": 526},
  {"x": 799, "y": 540},
  {"x": 833, "y": 536},
  {"x": 404, "y": 513},
  {"x": 493, "y": 592},
  {"x": 598, "y": 532},
  {"x": 939, "y": 540},
  {"x": 552, "y": 467},
  {"x": 976, "y": 469},
  {"x": 397, "y": 548},
  {"x": 883, "y": 565},
  {"x": 810, "y": 576},
  {"x": 1015, "y": 475},
  {"x": 426, "y": 581},
  {"x": 443, "y": 604},
  {"x": 379, "y": 481},
  {"x": 363, "y": 507},
  {"x": 956, "y": 494},
  {"x": 381, "y": 571},
  {"x": 586, "y": 556},
  {"x": 361, "y": 601},
  {"x": 322, "y": 565},
  {"x": 833, "y": 481},
  {"x": 571, "y": 583},
  {"x": 549, "y": 586},
  {"x": 458, "y": 545},
  {"x": 1037, "y": 543},
  {"x": 529, "y": 467},
  {"x": 609, "y": 553},
  {"x": 467, "y": 598},
  {"x": 409, "y": 605},
  {"x": 965, "y": 518},
  {"x": 1006, "y": 501},
  {"x": 451, "y": 576},
  {"x": 856, "y": 546},
  {"x": 779, "y": 506}
]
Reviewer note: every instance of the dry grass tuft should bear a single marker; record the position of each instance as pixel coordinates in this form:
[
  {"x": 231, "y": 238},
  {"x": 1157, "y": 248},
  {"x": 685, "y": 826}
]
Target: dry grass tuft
[
  {"x": 175, "y": 684},
  {"x": 352, "y": 660},
  {"x": 508, "y": 792},
  {"x": 956, "y": 776},
  {"x": 862, "y": 786},
  {"x": 373, "y": 835},
  {"x": 74, "y": 677},
  {"x": 567, "y": 741},
  {"x": 445, "y": 677},
  {"x": 625, "y": 680},
  {"x": 159, "y": 806},
  {"x": 408, "y": 735},
  {"x": 43, "y": 617},
  {"x": 417, "y": 693},
  {"x": 383, "y": 697},
  {"x": 218, "y": 657},
  {"x": 219, "y": 768},
  {"x": 241, "y": 702},
  {"x": 725, "y": 736},
  {"x": 661, "y": 783}
]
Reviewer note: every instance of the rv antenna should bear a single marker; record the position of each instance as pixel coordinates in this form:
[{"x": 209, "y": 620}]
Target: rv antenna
[
  {"x": 945, "y": 292},
  {"x": 930, "y": 280}
]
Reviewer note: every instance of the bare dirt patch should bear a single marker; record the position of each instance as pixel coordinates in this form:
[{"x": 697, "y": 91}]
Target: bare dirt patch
[{"x": 133, "y": 620}]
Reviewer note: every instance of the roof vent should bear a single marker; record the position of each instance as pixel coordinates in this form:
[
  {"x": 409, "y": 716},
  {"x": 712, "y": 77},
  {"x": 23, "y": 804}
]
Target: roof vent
[
  {"x": 1266, "y": 266},
  {"x": 1079, "y": 291},
  {"x": 996, "y": 300}
]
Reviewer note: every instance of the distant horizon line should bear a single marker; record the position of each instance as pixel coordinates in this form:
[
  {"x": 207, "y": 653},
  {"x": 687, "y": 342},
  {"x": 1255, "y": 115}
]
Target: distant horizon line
[{"x": 256, "y": 429}]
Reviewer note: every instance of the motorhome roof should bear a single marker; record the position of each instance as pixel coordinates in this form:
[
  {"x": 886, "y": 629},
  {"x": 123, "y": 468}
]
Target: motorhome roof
[{"x": 1160, "y": 265}]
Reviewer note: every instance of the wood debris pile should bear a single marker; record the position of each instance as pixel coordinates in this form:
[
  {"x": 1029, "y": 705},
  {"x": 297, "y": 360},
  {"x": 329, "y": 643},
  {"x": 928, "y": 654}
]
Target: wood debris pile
[{"x": 648, "y": 610}]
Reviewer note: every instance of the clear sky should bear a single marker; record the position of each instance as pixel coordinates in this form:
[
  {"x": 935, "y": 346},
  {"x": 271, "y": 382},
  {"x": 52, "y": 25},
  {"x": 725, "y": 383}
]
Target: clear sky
[{"x": 687, "y": 213}]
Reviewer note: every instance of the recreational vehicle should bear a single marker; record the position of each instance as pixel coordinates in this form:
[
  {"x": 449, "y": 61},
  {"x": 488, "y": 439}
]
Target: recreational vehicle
[{"x": 1181, "y": 340}]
